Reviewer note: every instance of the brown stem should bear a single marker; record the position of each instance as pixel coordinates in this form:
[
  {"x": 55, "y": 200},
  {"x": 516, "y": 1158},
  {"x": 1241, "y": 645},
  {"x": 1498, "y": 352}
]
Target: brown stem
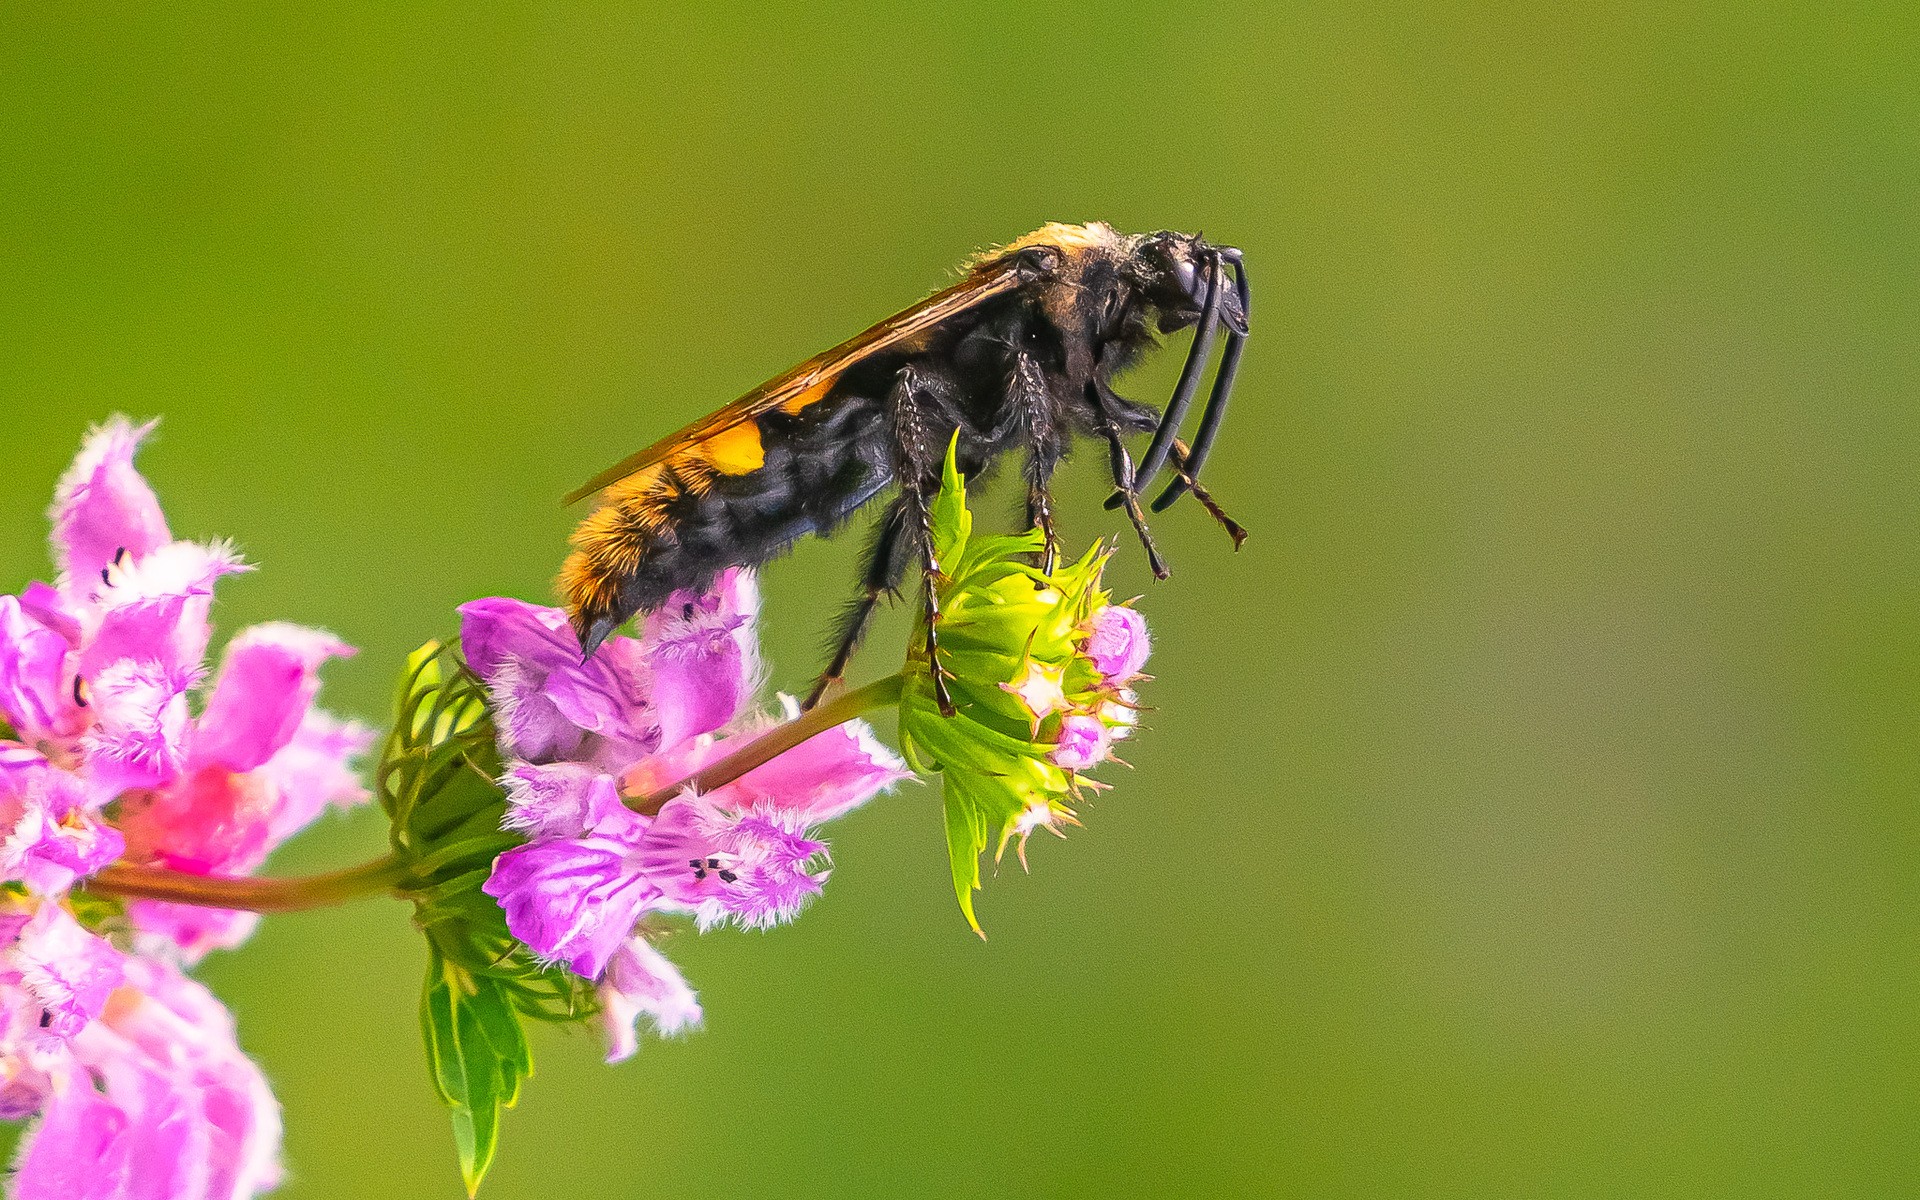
[
  {"x": 250, "y": 894},
  {"x": 769, "y": 745},
  {"x": 386, "y": 874}
]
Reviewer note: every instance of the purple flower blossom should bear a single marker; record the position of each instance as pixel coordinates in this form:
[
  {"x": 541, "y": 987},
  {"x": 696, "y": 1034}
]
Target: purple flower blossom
[
  {"x": 157, "y": 1100},
  {"x": 642, "y": 714},
  {"x": 102, "y": 507},
  {"x": 575, "y": 899},
  {"x": 641, "y": 982},
  {"x": 750, "y": 866},
  {"x": 1117, "y": 643},
  {"x": 50, "y": 836},
  {"x": 1083, "y": 742},
  {"x": 140, "y": 1087},
  {"x": 556, "y": 799},
  {"x": 66, "y": 972}
]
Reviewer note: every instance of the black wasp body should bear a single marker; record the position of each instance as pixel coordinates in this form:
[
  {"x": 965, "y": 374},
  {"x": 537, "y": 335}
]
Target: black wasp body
[{"x": 1018, "y": 355}]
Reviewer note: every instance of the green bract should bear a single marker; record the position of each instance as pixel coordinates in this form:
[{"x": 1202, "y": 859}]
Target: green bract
[
  {"x": 1002, "y": 620},
  {"x": 437, "y": 783}
]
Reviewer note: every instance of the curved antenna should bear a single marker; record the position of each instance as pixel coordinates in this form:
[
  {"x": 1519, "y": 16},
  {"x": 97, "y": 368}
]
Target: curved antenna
[
  {"x": 1216, "y": 409},
  {"x": 1189, "y": 385}
]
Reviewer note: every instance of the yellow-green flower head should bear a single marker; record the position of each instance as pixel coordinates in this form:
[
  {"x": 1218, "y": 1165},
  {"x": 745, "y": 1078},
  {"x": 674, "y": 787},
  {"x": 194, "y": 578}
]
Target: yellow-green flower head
[{"x": 1039, "y": 666}]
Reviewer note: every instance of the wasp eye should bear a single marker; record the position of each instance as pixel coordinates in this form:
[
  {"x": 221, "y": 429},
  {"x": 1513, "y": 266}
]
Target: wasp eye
[{"x": 1185, "y": 275}]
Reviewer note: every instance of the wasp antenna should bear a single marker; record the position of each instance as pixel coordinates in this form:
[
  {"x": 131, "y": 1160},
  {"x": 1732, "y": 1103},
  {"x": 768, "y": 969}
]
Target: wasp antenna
[
  {"x": 1216, "y": 409},
  {"x": 1189, "y": 385}
]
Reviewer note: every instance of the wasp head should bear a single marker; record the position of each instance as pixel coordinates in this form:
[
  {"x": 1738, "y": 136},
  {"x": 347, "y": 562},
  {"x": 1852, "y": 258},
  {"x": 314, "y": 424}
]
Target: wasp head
[{"x": 1174, "y": 272}]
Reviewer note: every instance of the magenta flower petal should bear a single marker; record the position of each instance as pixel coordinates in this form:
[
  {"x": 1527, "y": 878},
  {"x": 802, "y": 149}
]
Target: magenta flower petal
[
  {"x": 1117, "y": 642},
  {"x": 313, "y": 770},
  {"x": 47, "y": 606},
  {"x": 574, "y": 900},
  {"x": 78, "y": 1151},
  {"x": 606, "y": 694},
  {"x": 71, "y": 841},
  {"x": 187, "y": 933},
  {"x": 702, "y": 651},
  {"x": 267, "y": 682},
  {"x": 211, "y": 820},
  {"x": 641, "y": 982},
  {"x": 750, "y": 867},
  {"x": 200, "y": 1119},
  {"x": 826, "y": 776},
  {"x": 557, "y": 799},
  {"x": 36, "y": 688},
  {"x": 102, "y": 506},
  {"x": 156, "y": 607},
  {"x": 140, "y": 726},
  {"x": 1083, "y": 742},
  {"x": 546, "y": 698},
  {"x": 68, "y": 971},
  {"x": 497, "y": 629}
]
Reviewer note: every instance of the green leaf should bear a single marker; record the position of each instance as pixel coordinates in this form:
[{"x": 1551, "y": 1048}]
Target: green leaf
[
  {"x": 952, "y": 523},
  {"x": 966, "y": 838},
  {"x": 478, "y": 1054},
  {"x": 438, "y": 781}
]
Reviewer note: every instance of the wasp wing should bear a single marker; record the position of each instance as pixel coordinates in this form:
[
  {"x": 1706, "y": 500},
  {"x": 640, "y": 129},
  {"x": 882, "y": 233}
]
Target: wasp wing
[{"x": 812, "y": 378}]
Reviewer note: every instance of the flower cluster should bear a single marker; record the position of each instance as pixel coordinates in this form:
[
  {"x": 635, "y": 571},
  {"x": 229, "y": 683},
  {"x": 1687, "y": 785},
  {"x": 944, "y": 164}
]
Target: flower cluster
[
  {"x": 583, "y": 736},
  {"x": 548, "y": 811},
  {"x": 1040, "y": 668},
  {"x": 110, "y": 747}
]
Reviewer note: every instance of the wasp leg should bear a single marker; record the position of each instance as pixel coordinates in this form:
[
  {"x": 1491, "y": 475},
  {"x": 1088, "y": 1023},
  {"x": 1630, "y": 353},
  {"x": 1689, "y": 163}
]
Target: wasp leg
[
  {"x": 1216, "y": 410},
  {"x": 1189, "y": 385},
  {"x": 886, "y": 564},
  {"x": 1179, "y": 459},
  {"x": 1027, "y": 390},
  {"x": 917, "y": 469},
  {"x": 1123, "y": 478}
]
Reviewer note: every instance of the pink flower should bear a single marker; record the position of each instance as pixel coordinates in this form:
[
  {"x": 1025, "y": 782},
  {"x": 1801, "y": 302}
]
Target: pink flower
[
  {"x": 155, "y": 1100},
  {"x": 102, "y": 507},
  {"x": 752, "y": 866},
  {"x": 97, "y": 678},
  {"x": 642, "y": 713},
  {"x": 139, "y": 1084},
  {"x": 1083, "y": 742},
  {"x": 1117, "y": 643},
  {"x": 575, "y": 899},
  {"x": 556, "y": 799},
  {"x": 51, "y": 836},
  {"x": 64, "y": 971},
  {"x": 641, "y": 982}
]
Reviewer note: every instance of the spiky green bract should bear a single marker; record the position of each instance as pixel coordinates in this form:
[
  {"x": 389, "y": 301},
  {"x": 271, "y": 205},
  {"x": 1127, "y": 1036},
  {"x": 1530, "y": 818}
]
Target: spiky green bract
[
  {"x": 437, "y": 783},
  {"x": 1000, "y": 618}
]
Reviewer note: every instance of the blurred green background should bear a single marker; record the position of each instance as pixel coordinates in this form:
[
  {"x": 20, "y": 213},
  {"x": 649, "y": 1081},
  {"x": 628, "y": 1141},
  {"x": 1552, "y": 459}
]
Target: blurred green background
[{"x": 1529, "y": 809}]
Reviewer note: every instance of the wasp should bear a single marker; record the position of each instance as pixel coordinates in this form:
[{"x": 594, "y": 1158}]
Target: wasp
[{"x": 1020, "y": 353}]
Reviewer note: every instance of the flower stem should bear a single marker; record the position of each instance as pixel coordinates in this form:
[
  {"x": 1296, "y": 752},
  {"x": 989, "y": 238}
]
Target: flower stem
[
  {"x": 387, "y": 874},
  {"x": 773, "y": 743},
  {"x": 250, "y": 894}
]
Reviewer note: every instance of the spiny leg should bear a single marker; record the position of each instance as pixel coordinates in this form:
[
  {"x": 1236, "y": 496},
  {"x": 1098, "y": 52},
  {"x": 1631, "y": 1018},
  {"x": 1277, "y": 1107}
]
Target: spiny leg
[
  {"x": 1122, "y": 464},
  {"x": 1027, "y": 388},
  {"x": 886, "y": 564},
  {"x": 918, "y": 472},
  {"x": 1234, "y": 529}
]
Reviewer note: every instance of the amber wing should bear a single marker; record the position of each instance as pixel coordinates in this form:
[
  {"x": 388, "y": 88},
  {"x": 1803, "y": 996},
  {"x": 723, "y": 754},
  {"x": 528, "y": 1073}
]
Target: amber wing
[{"x": 813, "y": 378}]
